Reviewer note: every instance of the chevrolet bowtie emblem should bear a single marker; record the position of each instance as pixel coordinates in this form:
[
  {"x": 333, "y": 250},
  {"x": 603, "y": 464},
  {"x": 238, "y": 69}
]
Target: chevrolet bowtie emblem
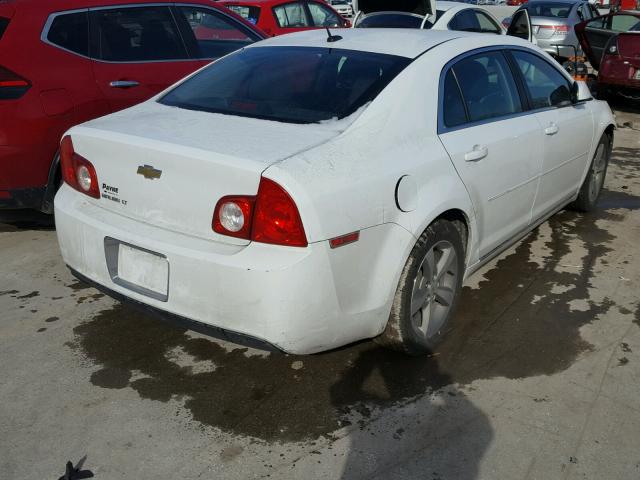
[{"x": 147, "y": 171}]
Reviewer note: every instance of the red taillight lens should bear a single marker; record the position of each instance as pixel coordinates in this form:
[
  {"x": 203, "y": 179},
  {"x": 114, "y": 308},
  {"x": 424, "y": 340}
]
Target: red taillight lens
[
  {"x": 12, "y": 85},
  {"x": 276, "y": 219},
  {"x": 612, "y": 48},
  {"x": 270, "y": 217},
  {"x": 556, "y": 29},
  {"x": 77, "y": 171},
  {"x": 233, "y": 215}
]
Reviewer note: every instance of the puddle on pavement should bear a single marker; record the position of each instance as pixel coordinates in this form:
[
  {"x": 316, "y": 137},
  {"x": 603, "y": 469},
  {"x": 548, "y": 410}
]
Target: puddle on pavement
[{"x": 513, "y": 326}]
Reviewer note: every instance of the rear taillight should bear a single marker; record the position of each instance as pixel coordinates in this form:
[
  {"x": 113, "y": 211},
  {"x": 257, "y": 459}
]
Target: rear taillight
[
  {"x": 612, "y": 48},
  {"x": 556, "y": 29},
  {"x": 233, "y": 216},
  {"x": 12, "y": 85},
  {"x": 77, "y": 171},
  {"x": 269, "y": 217}
]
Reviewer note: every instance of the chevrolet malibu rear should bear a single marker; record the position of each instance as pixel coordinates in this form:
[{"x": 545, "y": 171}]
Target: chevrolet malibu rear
[
  {"x": 179, "y": 203},
  {"x": 320, "y": 188}
]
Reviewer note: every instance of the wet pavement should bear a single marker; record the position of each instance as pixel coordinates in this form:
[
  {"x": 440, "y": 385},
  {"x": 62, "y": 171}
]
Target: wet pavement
[{"x": 537, "y": 380}]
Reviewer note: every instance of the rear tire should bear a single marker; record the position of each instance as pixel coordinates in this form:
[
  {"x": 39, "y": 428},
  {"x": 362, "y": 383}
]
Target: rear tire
[
  {"x": 428, "y": 291},
  {"x": 594, "y": 181}
]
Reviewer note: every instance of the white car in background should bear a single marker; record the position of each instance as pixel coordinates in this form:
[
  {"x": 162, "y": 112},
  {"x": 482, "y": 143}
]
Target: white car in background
[
  {"x": 437, "y": 15},
  {"x": 312, "y": 190}
]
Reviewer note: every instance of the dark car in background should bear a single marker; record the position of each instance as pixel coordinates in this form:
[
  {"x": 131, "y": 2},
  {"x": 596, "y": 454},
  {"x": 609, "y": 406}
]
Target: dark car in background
[
  {"x": 65, "y": 62},
  {"x": 612, "y": 45}
]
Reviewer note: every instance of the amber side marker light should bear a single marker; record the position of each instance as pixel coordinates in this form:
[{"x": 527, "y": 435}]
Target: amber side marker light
[{"x": 344, "y": 239}]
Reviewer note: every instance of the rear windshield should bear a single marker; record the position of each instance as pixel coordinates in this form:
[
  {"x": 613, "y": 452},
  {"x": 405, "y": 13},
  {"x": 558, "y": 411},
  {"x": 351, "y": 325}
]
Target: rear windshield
[
  {"x": 395, "y": 20},
  {"x": 251, "y": 14},
  {"x": 551, "y": 10},
  {"x": 288, "y": 84},
  {"x": 4, "y": 22}
]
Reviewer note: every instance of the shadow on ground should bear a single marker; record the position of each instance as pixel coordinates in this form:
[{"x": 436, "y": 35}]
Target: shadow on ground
[
  {"x": 20, "y": 220},
  {"x": 512, "y": 326}
]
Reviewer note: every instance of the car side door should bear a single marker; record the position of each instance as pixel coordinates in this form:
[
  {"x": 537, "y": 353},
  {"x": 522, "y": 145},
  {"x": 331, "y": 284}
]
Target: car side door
[
  {"x": 520, "y": 26},
  {"x": 493, "y": 143},
  {"x": 566, "y": 129},
  {"x": 137, "y": 51},
  {"x": 595, "y": 34}
]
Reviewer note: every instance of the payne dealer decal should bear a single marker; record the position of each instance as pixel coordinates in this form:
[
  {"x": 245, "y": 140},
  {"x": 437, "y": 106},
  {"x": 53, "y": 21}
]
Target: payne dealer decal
[{"x": 111, "y": 193}]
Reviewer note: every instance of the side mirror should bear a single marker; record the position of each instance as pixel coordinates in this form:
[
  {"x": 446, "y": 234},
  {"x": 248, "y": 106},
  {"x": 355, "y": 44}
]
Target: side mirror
[{"x": 580, "y": 92}]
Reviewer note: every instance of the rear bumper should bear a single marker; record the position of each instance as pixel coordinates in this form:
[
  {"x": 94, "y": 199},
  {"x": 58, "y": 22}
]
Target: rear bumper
[
  {"x": 555, "y": 46},
  {"x": 301, "y": 300}
]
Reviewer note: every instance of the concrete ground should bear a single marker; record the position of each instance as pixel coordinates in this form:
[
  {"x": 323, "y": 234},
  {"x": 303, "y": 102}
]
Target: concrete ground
[{"x": 539, "y": 380}]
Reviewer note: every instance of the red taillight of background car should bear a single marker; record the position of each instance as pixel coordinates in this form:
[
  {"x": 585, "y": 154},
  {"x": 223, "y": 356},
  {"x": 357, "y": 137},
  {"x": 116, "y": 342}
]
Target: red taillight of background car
[
  {"x": 269, "y": 217},
  {"x": 77, "y": 171},
  {"x": 612, "y": 48},
  {"x": 556, "y": 29},
  {"x": 12, "y": 85}
]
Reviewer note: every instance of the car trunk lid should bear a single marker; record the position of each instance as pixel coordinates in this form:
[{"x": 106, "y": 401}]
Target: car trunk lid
[{"x": 168, "y": 166}]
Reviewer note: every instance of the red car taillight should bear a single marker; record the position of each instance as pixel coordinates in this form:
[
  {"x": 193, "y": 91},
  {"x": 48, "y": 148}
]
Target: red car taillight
[
  {"x": 77, "y": 171},
  {"x": 556, "y": 29},
  {"x": 12, "y": 85},
  {"x": 612, "y": 48},
  {"x": 269, "y": 217}
]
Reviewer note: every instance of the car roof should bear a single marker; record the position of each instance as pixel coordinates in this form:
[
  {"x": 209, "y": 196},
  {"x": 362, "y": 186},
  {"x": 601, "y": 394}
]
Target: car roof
[
  {"x": 568, "y": 2},
  {"x": 444, "y": 5},
  {"x": 61, "y": 5},
  {"x": 257, "y": 3},
  {"x": 403, "y": 42}
]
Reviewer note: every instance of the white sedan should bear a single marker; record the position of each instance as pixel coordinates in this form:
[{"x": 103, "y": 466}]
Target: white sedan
[{"x": 313, "y": 190}]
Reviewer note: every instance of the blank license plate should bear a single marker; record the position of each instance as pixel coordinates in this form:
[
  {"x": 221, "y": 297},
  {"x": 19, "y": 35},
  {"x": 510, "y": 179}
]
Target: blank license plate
[{"x": 143, "y": 269}]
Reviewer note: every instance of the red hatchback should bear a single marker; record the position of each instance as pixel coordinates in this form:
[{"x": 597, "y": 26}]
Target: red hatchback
[
  {"x": 277, "y": 17},
  {"x": 66, "y": 62},
  {"x": 612, "y": 44}
]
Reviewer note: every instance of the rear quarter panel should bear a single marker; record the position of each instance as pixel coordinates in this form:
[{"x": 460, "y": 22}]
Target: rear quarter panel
[{"x": 349, "y": 183}]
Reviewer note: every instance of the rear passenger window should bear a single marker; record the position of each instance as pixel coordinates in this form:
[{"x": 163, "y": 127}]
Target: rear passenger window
[
  {"x": 323, "y": 16},
  {"x": 488, "y": 88},
  {"x": 71, "y": 32},
  {"x": 135, "y": 35},
  {"x": 291, "y": 15},
  {"x": 465, "y": 21},
  {"x": 210, "y": 34},
  {"x": 453, "y": 105},
  {"x": 547, "y": 86}
]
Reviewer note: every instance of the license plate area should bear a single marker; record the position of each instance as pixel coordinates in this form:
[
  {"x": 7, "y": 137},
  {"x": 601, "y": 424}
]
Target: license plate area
[
  {"x": 137, "y": 269},
  {"x": 637, "y": 75}
]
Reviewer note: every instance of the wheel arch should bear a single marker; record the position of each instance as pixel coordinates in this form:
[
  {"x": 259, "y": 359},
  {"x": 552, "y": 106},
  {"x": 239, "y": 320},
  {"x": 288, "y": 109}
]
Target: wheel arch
[{"x": 53, "y": 182}]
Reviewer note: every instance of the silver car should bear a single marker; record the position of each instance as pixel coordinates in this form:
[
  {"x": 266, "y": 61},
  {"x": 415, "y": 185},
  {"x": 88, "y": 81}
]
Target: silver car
[{"x": 553, "y": 23}]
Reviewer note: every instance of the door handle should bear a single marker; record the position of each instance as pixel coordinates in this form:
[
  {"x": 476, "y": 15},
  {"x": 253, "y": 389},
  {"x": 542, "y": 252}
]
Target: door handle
[
  {"x": 124, "y": 83},
  {"x": 478, "y": 153},
  {"x": 552, "y": 129}
]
